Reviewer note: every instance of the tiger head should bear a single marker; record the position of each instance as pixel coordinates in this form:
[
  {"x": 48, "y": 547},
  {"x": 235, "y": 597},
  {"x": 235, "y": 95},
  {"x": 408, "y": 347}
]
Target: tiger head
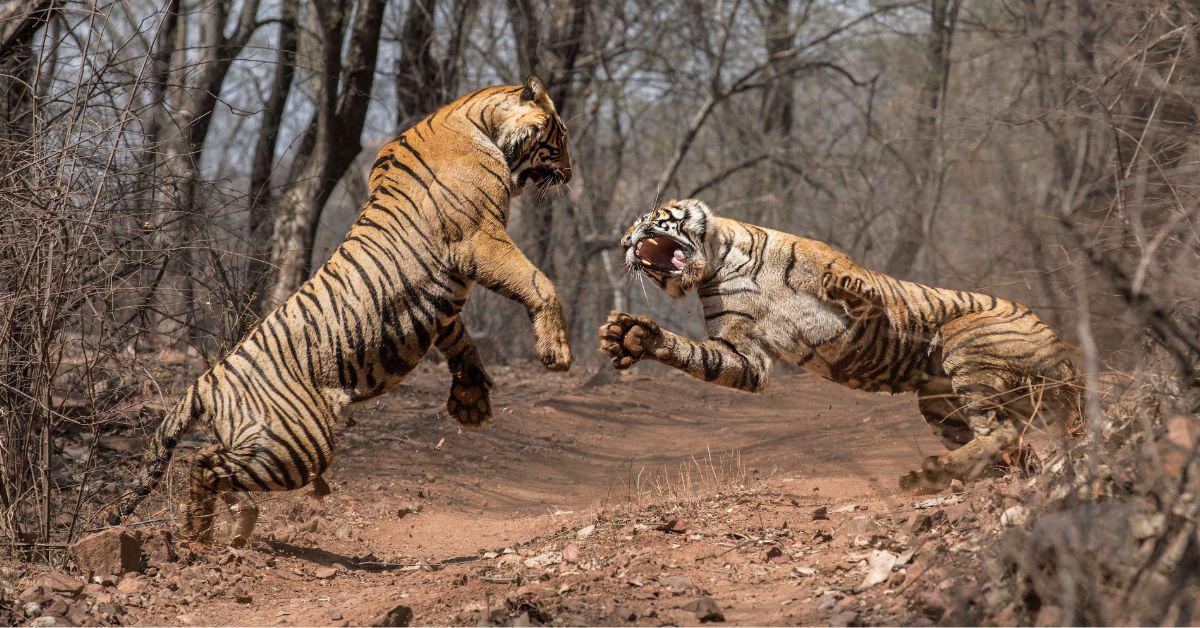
[
  {"x": 667, "y": 245},
  {"x": 534, "y": 139}
]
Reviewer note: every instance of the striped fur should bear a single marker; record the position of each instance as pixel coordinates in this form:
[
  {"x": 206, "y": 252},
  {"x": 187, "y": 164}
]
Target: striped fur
[
  {"x": 433, "y": 226},
  {"x": 982, "y": 367}
]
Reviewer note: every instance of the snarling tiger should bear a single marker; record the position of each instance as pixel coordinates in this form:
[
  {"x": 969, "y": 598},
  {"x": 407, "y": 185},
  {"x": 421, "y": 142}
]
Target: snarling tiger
[
  {"x": 983, "y": 368},
  {"x": 434, "y": 224}
]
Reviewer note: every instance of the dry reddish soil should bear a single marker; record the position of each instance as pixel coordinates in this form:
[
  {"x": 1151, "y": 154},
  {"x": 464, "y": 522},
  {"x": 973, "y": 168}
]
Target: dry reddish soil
[{"x": 645, "y": 498}]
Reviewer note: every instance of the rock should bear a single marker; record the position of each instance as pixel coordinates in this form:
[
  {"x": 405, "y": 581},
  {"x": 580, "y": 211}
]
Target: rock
[
  {"x": 705, "y": 608},
  {"x": 930, "y": 603},
  {"x": 620, "y": 612},
  {"x": 159, "y": 548},
  {"x": 861, "y": 529},
  {"x": 827, "y": 603},
  {"x": 879, "y": 568},
  {"x": 56, "y": 606},
  {"x": 675, "y": 582},
  {"x": 399, "y": 615},
  {"x": 821, "y": 514},
  {"x": 32, "y": 609},
  {"x": 131, "y": 584},
  {"x": 186, "y": 620},
  {"x": 243, "y": 598},
  {"x": 586, "y": 531},
  {"x": 325, "y": 573},
  {"x": 777, "y": 555},
  {"x": 543, "y": 560},
  {"x": 53, "y": 581},
  {"x": 570, "y": 553},
  {"x": 46, "y": 620},
  {"x": 109, "y": 611},
  {"x": 77, "y": 615},
  {"x": 335, "y": 614},
  {"x": 115, "y": 550},
  {"x": 844, "y": 618},
  {"x": 674, "y": 526},
  {"x": 1015, "y": 516},
  {"x": 922, "y": 522}
]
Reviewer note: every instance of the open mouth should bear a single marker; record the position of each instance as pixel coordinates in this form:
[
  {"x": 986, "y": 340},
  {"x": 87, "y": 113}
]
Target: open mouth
[
  {"x": 662, "y": 253},
  {"x": 542, "y": 176}
]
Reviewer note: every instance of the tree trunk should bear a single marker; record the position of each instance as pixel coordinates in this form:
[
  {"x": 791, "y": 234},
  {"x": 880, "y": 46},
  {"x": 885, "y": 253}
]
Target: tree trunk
[
  {"x": 334, "y": 135},
  {"x": 262, "y": 197},
  {"x": 928, "y": 161}
]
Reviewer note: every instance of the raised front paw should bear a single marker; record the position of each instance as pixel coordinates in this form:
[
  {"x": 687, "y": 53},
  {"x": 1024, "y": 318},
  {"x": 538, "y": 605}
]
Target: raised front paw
[
  {"x": 626, "y": 339},
  {"x": 555, "y": 351},
  {"x": 468, "y": 402}
]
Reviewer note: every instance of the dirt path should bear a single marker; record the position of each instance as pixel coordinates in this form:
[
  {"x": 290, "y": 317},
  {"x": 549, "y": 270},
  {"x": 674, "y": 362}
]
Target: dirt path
[{"x": 550, "y": 514}]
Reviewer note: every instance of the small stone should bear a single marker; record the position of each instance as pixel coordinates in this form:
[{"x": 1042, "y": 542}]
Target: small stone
[
  {"x": 399, "y": 615},
  {"x": 32, "y": 609},
  {"x": 131, "y": 584},
  {"x": 335, "y": 614},
  {"x": 675, "y": 582},
  {"x": 844, "y": 618},
  {"x": 57, "y": 582},
  {"x": 1015, "y": 516},
  {"x": 777, "y": 555},
  {"x": 243, "y": 598},
  {"x": 585, "y": 531},
  {"x": 115, "y": 550},
  {"x": 45, "y": 620},
  {"x": 705, "y": 608},
  {"x": 821, "y": 514},
  {"x": 325, "y": 573},
  {"x": 159, "y": 548}
]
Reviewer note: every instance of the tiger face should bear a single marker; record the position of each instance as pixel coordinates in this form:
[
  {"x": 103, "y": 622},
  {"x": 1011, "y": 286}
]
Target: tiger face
[
  {"x": 534, "y": 139},
  {"x": 667, "y": 245}
]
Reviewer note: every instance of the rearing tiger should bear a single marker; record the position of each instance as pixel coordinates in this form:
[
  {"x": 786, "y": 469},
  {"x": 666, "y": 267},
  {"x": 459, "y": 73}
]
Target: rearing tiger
[
  {"x": 982, "y": 367},
  {"x": 433, "y": 225}
]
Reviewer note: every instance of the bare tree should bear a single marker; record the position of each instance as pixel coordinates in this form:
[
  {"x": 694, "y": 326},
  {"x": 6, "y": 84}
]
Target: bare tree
[{"x": 331, "y": 141}]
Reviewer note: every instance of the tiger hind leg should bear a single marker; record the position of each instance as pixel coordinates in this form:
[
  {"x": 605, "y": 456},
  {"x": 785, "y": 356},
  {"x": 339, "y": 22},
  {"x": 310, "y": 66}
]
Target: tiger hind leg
[
  {"x": 980, "y": 429},
  {"x": 941, "y": 409},
  {"x": 245, "y": 513},
  {"x": 215, "y": 472}
]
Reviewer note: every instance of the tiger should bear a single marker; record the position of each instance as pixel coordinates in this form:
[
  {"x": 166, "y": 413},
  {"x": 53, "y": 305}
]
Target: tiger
[
  {"x": 433, "y": 225},
  {"x": 983, "y": 368}
]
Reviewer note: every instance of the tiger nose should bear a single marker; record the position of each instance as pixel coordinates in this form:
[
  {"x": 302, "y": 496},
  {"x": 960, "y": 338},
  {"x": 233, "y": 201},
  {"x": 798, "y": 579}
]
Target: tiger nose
[{"x": 626, "y": 242}]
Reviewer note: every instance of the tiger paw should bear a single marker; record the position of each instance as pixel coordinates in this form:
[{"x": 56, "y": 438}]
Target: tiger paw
[
  {"x": 552, "y": 345},
  {"x": 626, "y": 339},
  {"x": 469, "y": 403},
  {"x": 933, "y": 477}
]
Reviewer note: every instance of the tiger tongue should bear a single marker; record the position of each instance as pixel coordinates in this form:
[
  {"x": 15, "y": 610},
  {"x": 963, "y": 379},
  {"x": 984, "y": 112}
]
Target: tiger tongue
[{"x": 679, "y": 260}]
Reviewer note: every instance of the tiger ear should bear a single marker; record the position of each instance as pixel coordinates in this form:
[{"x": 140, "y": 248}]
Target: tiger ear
[{"x": 534, "y": 88}]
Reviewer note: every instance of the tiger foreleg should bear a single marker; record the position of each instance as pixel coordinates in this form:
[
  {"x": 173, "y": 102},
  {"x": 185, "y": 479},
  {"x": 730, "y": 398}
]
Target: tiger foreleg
[
  {"x": 736, "y": 364},
  {"x": 470, "y": 385},
  {"x": 496, "y": 263}
]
